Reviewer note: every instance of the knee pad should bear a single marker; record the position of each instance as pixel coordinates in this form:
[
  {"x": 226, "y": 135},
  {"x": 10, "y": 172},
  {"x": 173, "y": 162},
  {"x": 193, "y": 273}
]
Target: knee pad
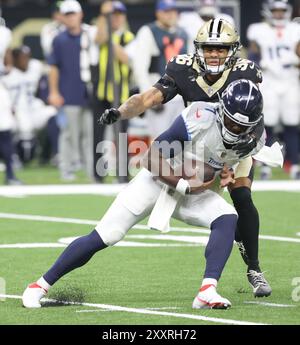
[
  {"x": 112, "y": 235},
  {"x": 241, "y": 197}
]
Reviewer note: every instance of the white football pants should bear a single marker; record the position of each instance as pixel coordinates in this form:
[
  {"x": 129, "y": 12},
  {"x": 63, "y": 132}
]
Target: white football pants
[{"x": 137, "y": 199}]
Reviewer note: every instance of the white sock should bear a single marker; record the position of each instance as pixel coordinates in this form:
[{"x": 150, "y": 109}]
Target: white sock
[
  {"x": 42, "y": 283},
  {"x": 209, "y": 281}
]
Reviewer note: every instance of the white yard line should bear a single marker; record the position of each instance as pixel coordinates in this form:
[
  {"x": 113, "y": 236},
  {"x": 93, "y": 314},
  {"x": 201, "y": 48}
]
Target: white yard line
[
  {"x": 267, "y": 304},
  {"x": 138, "y": 226},
  {"x": 119, "y": 244},
  {"x": 114, "y": 189},
  {"x": 146, "y": 311},
  {"x": 98, "y": 311}
]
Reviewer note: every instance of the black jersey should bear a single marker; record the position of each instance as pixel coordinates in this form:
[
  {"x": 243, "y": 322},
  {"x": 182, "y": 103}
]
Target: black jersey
[{"x": 183, "y": 77}]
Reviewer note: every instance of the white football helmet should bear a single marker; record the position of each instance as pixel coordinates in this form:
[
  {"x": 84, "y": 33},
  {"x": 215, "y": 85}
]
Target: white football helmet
[
  {"x": 270, "y": 5},
  {"x": 217, "y": 32},
  {"x": 207, "y": 9}
]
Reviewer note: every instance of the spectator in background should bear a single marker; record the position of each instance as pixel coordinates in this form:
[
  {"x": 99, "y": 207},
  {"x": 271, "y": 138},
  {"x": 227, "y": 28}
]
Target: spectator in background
[
  {"x": 52, "y": 29},
  {"x": 5, "y": 39},
  {"x": 204, "y": 10},
  {"x": 275, "y": 44},
  {"x": 69, "y": 84},
  {"x": 7, "y": 124},
  {"x": 155, "y": 44},
  {"x": 30, "y": 112},
  {"x": 107, "y": 84}
]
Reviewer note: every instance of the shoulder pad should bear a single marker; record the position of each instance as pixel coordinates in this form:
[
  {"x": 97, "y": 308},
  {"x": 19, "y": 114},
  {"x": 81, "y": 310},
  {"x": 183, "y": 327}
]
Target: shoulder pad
[
  {"x": 181, "y": 61},
  {"x": 201, "y": 114},
  {"x": 248, "y": 69}
]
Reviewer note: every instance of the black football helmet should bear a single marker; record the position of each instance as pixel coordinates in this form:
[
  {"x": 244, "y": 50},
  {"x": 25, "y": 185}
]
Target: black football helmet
[{"x": 241, "y": 104}]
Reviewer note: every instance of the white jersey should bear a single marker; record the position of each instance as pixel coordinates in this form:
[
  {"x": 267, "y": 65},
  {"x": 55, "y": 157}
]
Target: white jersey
[
  {"x": 31, "y": 113},
  {"x": 5, "y": 40},
  {"x": 22, "y": 86},
  {"x": 48, "y": 33},
  {"x": 206, "y": 144},
  {"x": 278, "y": 48},
  {"x": 7, "y": 121},
  {"x": 191, "y": 22}
]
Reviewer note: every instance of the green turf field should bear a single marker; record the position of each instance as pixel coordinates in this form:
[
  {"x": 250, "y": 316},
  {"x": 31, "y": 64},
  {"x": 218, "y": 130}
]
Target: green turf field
[{"x": 158, "y": 283}]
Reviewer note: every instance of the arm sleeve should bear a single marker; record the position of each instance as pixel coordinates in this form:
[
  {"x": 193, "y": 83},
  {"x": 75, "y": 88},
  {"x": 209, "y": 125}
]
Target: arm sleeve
[
  {"x": 168, "y": 87},
  {"x": 170, "y": 143}
]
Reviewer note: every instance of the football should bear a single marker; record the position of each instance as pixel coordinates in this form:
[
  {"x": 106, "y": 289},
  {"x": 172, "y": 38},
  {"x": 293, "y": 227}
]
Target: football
[{"x": 192, "y": 169}]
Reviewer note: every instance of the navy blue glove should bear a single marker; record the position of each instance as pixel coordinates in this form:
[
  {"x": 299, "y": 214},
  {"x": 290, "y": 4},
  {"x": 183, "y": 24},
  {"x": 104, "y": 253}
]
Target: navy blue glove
[
  {"x": 109, "y": 116},
  {"x": 245, "y": 145}
]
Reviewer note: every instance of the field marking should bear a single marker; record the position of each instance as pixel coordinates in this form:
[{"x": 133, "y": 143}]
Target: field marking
[
  {"x": 145, "y": 311},
  {"x": 194, "y": 240},
  {"x": 105, "y": 310},
  {"x": 298, "y": 233},
  {"x": 114, "y": 189},
  {"x": 31, "y": 245},
  {"x": 138, "y": 226},
  {"x": 267, "y": 304},
  {"x": 119, "y": 244}
]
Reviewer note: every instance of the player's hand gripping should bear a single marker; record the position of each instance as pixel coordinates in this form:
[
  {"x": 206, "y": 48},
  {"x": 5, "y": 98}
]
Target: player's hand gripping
[
  {"x": 109, "y": 116},
  {"x": 227, "y": 177}
]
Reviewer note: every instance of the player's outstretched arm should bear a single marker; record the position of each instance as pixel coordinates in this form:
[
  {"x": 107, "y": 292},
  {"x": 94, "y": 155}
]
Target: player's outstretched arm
[{"x": 134, "y": 106}]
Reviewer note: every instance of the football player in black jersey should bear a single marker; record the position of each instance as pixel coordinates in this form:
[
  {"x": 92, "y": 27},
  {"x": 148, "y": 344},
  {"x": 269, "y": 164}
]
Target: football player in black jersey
[{"x": 202, "y": 77}]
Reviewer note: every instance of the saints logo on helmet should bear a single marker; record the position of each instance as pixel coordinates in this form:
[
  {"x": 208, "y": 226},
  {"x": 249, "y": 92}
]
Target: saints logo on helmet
[
  {"x": 279, "y": 19},
  {"x": 221, "y": 34}
]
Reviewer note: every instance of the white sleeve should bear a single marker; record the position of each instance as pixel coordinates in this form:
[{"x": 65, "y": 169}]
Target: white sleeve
[
  {"x": 46, "y": 40},
  {"x": 197, "y": 117},
  {"x": 252, "y": 32},
  {"x": 94, "y": 46},
  {"x": 145, "y": 47}
]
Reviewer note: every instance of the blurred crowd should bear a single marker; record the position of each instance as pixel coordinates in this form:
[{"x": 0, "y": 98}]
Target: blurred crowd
[{"x": 50, "y": 108}]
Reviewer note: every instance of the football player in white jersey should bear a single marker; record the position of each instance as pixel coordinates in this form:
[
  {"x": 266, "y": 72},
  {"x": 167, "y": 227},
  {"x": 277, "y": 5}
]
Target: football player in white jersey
[
  {"x": 5, "y": 39},
  {"x": 52, "y": 29},
  {"x": 276, "y": 43},
  {"x": 207, "y": 130},
  {"x": 204, "y": 11},
  {"x": 31, "y": 113}
]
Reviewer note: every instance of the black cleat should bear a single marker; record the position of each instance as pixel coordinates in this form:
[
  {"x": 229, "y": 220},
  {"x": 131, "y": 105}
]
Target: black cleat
[{"x": 261, "y": 287}]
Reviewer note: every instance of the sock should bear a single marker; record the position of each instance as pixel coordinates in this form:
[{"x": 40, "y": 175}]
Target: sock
[
  {"x": 206, "y": 282},
  {"x": 248, "y": 224},
  {"x": 6, "y": 151},
  {"x": 43, "y": 284},
  {"x": 219, "y": 245},
  {"x": 75, "y": 255},
  {"x": 291, "y": 139}
]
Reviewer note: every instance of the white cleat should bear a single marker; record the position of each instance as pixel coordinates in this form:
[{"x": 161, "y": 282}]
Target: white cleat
[
  {"x": 208, "y": 298},
  {"x": 32, "y": 296}
]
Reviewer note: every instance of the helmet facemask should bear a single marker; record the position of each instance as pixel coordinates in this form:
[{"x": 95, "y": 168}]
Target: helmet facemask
[
  {"x": 243, "y": 113},
  {"x": 217, "y": 33},
  {"x": 229, "y": 137},
  {"x": 210, "y": 69}
]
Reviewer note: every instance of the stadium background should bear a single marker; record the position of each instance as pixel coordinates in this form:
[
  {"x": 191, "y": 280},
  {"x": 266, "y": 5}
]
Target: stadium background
[
  {"x": 33, "y": 218},
  {"x": 26, "y": 17}
]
